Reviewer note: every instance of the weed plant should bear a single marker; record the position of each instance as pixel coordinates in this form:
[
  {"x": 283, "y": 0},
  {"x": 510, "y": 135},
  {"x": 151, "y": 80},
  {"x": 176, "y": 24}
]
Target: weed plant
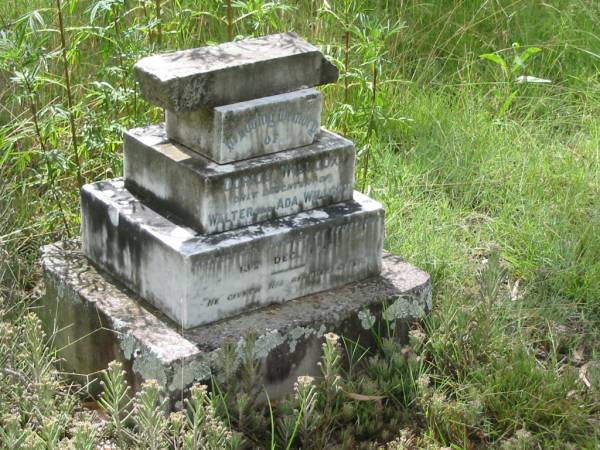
[{"x": 477, "y": 125}]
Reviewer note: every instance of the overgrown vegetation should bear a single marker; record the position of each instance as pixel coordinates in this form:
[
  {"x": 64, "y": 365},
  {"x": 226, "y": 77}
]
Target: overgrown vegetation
[{"x": 489, "y": 176}]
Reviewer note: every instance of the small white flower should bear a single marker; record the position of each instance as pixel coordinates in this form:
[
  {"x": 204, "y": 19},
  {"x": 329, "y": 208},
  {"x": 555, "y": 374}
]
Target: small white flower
[
  {"x": 305, "y": 381},
  {"x": 332, "y": 338}
]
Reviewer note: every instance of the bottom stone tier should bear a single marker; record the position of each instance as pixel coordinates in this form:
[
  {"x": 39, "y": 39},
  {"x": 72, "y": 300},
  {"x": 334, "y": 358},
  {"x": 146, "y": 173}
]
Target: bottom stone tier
[
  {"x": 94, "y": 320},
  {"x": 197, "y": 279}
]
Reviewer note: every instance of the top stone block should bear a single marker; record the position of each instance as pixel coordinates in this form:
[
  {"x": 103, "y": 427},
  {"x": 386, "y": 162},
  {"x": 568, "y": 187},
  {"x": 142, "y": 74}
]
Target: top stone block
[{"x": 206, "y": 77}]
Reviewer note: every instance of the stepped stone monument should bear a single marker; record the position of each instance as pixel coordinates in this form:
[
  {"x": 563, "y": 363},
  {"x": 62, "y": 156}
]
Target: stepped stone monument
[{"x": 238, "y": 215}]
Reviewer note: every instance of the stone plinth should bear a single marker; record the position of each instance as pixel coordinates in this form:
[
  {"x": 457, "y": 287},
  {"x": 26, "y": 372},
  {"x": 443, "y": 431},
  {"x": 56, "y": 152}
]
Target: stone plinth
[
  {"x": 200, "y": 78},
  {"x": 197, "y": 279},
  {"x": 248, "y": 129},
  {"x": 97, "y": 320},
  {"x": 213, "y": 197}
]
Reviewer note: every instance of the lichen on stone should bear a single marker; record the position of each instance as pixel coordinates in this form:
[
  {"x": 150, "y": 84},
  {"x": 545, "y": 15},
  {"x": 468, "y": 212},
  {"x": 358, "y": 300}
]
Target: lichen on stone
[
  {"x": 404, "y": 307},
  {"x": 299, "y": 333},
  {"x": 127, "y": 345},
  {"x": 267, "y": 342},
  {"x": 367, "y": 319},
  {"x": 149, "y": 367},
  {"x": 185, "y": 372},
  {"x": 144, "y": 363}
]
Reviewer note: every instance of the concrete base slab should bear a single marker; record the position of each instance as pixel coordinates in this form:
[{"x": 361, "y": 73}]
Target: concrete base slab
[
  {"x": 197, "y": 279},
  {"x": 94, "y": 319},
  {"x": 213, "y": 197}
]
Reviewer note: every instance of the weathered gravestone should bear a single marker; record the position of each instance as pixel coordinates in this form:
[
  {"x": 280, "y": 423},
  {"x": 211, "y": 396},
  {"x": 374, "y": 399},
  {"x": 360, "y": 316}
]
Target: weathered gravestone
[{"x": 239, "y": 215}]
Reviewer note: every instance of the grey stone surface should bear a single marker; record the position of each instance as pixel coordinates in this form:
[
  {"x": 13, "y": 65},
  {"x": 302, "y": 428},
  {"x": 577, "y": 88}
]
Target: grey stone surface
[
  {"x": 205, "y": 77},
  {"x": 95, "y": 320},
  {"x": 211, "y": 197},
  {"x": 252, "y": 128},
  {"x": 197, "y": 279}
]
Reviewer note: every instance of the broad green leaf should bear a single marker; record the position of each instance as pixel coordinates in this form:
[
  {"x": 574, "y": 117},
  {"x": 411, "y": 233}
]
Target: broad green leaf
[
  {"x": 507, "y": 103},
  {"x": 495, "y": 58},
  {"x": 529, "y": 52},
  {"x": 520, "y": 60}
]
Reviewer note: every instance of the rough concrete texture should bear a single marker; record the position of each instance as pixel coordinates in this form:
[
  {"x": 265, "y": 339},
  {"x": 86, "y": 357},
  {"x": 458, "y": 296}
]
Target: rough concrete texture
[
  {"x": 205, "y": 77},
  {"x": 95, "y": 320},
  {"x": 248, "y": 129},
  {"x": 197, "y": 279},
  {"x": 212, "y": 198}
]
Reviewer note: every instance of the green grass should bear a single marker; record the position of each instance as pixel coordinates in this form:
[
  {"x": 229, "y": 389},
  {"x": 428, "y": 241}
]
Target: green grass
[{"x": 490, "y": 185}]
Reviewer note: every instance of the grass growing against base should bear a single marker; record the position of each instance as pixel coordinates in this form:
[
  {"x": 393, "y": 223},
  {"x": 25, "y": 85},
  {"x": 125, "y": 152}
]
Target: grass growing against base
[{"x": 489, "y": 184}]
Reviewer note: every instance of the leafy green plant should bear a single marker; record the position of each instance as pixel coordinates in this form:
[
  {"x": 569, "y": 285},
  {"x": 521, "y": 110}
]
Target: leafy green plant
[
  {"x": 84, "y": 435},
  {"x": 204, "y": 429},
  {"x": 346, "y": 19},
  {"x": 260, "y": 16},
  {"x": 373, "y": 35},
  {"x": 143, "y": 421},
  {"x": 29, "y": 379},
  {"x": 68, "y": 88},
  {"x": 512, "y": 73},
  {"x": 149, "y": 417},
  {"x": 229, "y": 21},
  {"x": 366, "y": 36},
  {"x": 116, "y": 401},
  {"x": 24, "y": 56}
]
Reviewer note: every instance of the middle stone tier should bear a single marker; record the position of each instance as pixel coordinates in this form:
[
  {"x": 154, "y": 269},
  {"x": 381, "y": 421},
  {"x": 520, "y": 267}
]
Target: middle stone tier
[
  {"x": 197, "y": 279},
  {"x": 213, "y": 198}
]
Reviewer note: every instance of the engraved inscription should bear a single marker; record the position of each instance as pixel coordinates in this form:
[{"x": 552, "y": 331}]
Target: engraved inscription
[
  {"x": 291, "y": 264},
  {"x": 250, "y": 292},
  {"x": 267, "y": 124},
  {"x": 279, "y": 190},
  {"x": 298, "y": 169},
  {"x": 212, "y": 301},
  {"x": 249, "y": 267},
  {"x": 236, "y": 217}
]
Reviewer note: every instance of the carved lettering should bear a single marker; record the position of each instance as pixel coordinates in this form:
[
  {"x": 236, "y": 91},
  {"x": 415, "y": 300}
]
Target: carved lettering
[
  {"x": 212, "y": 301},
  {"x": 243, "y": 215},
  {"x": 275, "y": 284},
  {"x": 249, "y": 267},
  {"x": 250, "y": 292},
  {"x": 273, "y": 179},
  {"x": 268, "y": 122}
]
